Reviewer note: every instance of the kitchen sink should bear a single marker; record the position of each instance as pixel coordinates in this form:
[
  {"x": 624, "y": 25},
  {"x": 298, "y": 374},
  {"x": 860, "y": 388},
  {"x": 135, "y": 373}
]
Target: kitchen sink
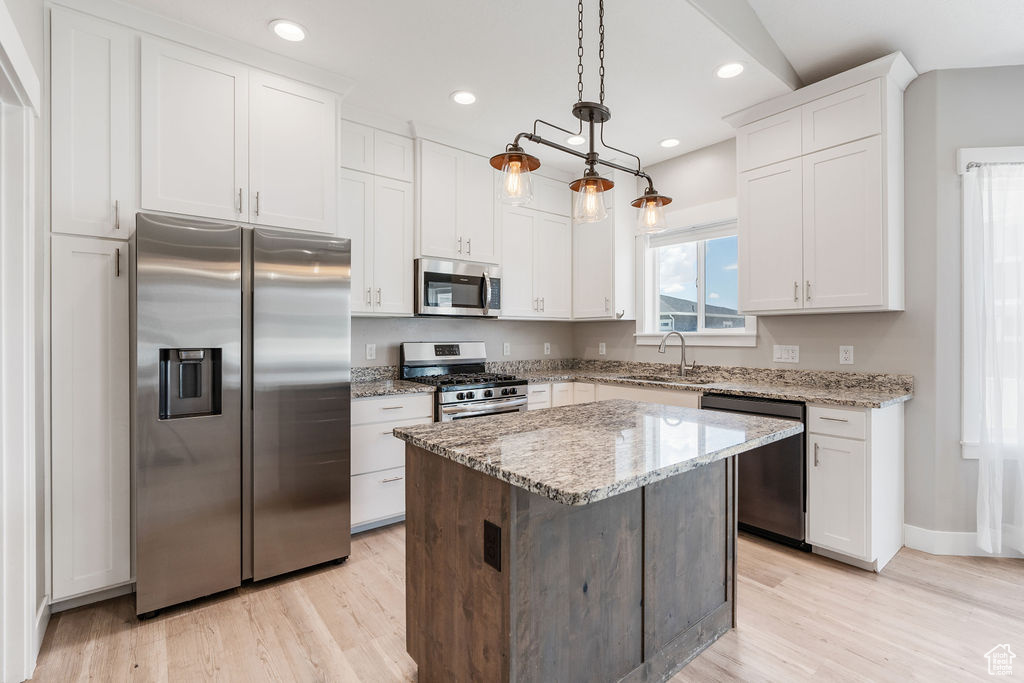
[{"x": 669, "y": 379}]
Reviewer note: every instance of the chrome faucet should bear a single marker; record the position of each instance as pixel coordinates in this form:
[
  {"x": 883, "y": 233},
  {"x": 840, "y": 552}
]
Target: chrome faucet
[{"x": 683, "y": 367}]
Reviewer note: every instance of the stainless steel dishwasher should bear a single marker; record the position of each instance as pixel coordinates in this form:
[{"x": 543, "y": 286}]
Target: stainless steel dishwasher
[{"x": 773, "y": 478}]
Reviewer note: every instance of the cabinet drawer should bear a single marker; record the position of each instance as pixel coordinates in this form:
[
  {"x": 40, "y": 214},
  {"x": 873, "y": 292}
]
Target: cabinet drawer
[
  {"x": 539, "y": 393},
  {"x": 583, "y": 392},
  {"x": 847, "y": 115},
  {"x": 561, "y": 394},
  {"x": 392, "y": 408},
  {"x": 850, "y": 424},
  {"x": 770, "y": 140},
  {"x": 375, "y": 448},
  {"x": 378, "y": 495}
]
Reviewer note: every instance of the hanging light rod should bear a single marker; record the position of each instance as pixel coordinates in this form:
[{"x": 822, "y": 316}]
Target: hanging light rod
[{"x": 516, "y": 165}]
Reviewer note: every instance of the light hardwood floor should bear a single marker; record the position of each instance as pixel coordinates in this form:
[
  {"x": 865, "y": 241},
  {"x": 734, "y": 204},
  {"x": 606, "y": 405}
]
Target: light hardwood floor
[{"x": 801, "y": 617}]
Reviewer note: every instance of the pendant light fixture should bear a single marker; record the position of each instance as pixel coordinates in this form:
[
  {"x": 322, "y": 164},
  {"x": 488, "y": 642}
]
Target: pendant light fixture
[{"x": 516, "y": 186}]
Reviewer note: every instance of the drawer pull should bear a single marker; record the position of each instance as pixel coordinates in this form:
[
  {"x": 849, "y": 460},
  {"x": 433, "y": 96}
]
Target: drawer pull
[
  {"x": 387, "y": 433},
  {"x": 391, "y": 479},
  {"x": 835, "y": 419},
  {"x": 391, "y": 407}
]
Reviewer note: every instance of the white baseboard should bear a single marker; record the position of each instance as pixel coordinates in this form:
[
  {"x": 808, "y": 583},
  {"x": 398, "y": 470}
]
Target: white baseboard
[
  {"x": 42, "y": 619},
  {"x": 89, "y": 598},
  {"x": 948, "y": 542}
]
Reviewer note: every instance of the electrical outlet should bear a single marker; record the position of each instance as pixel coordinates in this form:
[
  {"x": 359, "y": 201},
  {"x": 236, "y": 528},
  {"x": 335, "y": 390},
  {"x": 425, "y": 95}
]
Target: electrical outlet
[
  {"x": 602, "y": 349},
  {"x": 547, "y": 348},
  {"x": 846, "y": 355},
  {"x": 786, "y": 354},
  {"x": 371, "y": 352},
  {"x": 506, "y": 349},
  {"x": 492, "y": 544}
]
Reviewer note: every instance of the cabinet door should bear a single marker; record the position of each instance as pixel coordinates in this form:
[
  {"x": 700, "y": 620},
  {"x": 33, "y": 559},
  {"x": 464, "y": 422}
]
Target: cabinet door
[
  {"x": 392, "y": 246},
  {"x": 355, "y": 221},
  {"x": 518, "y": 299},
  {"x": 771, "y": 238},
  {"x": 561, "y": 394},
  {"x": 392, "y": 156},
  {"x": 92, "y": 127},
  {"x": 844, "y": 226},
  {"x": 292, "y": 141},
  {"x": 592, "y": 269},
  {"x": 552, "y": 196},
  {"x": 476, "y": 210},
  {"x": 582, "y": 392},
  {"x": 844, "y": 116},
  {"x": 194, "y": 132},
  {"x": 356, "y": 147},
  {"x": 90, "y": 469},
  {"x": 837, "y": 494},
  {"x": 538, "y": 397},
  {"x": 770, "y": 140},
  {"x": 439, "y": 200},
  {"x": 552, "y": 270}
]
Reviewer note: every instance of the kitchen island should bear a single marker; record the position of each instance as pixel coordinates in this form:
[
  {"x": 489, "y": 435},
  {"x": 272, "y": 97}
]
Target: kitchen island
[{"x": 583, "y": 543}]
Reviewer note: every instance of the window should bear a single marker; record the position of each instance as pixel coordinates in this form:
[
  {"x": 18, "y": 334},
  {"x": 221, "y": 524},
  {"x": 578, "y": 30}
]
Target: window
[{"x": 692, "y": 286}]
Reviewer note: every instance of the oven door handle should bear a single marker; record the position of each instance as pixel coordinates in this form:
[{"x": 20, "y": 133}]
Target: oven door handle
[
  {"x": 482, "y": 407},
  {"x": 487, "y": 292}
]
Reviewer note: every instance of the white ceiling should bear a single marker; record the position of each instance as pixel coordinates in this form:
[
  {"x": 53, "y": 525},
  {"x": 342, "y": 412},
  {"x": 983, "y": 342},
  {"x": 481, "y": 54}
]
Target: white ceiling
[
  {"x": 406, "y": 56},
  {"x": 825, "y": 37}
]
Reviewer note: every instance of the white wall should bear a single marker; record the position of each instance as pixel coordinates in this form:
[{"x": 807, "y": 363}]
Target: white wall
[
  {"x": 526, "y": 337},
  {"x": 944, "y": 110}
]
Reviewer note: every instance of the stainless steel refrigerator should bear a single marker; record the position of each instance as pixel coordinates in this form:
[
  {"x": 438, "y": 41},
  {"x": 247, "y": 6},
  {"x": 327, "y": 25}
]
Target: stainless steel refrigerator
[{"x": 240, "y": 405}]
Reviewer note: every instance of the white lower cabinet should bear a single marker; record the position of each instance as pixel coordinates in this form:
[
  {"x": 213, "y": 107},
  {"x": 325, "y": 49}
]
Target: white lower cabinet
[
  {"x": 582, "y": 392},
  {"x": 561, "y": 394},
  {"x": 91, "y": 487},
  {"x": 668, "y": 397},
  {"x": 855, "y": 483},
  {"x": 538, "y": 396},
  {"x": 378, "y": 458}
]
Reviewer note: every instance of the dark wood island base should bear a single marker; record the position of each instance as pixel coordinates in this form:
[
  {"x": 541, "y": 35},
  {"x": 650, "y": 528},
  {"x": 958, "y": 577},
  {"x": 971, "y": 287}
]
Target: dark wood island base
[{"x": 630, "y": 588}]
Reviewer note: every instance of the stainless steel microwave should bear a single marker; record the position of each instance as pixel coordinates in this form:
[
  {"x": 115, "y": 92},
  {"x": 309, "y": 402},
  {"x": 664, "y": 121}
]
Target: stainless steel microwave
[{"x": 464, "y": 288}]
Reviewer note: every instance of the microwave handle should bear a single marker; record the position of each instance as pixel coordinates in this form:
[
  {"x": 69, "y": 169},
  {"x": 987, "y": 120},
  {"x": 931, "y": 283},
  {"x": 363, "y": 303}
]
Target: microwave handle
[{"x": 487, "y": 292}]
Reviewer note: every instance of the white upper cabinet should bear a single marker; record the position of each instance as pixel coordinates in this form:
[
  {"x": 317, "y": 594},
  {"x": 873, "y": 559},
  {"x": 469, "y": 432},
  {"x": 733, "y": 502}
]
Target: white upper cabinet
[
  {"x": 92, "y": 127},
  {"x": 440, "y": 168},
  {"x": 356, "y": 146},
  {"x": 355, "y": 221},
  {"x": 292, "y": 129},
  {"x": 843, "y": 247},
  {"x": 517, "y": 230},
  {"x": 393, "y": 204},
  {"x": 551, "y": 196},
  {"x": 392, "y": 156},
  {"x": 770, "y": 140},
  {"x": 536, "y": 264},
  {"x": 91, "y": 491},
  {"x": 604, "y": 259},
  {"x": 194, "y": 132},
  {"x": 845, "y": 116},
  {"x": 552, "y": 272},
  {"x": 771, "y": 251},
  {"x": 820, "y": 194},
  {"x": 456, "y": 205}
]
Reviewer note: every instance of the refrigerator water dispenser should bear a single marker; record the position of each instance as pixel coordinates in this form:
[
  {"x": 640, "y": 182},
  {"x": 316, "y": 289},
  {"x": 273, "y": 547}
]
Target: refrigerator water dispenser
[{"x": 190, "y": 382}]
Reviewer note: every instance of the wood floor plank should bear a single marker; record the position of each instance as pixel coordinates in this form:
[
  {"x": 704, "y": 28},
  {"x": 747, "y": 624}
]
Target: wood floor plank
[{"x": 801, "y": 617}]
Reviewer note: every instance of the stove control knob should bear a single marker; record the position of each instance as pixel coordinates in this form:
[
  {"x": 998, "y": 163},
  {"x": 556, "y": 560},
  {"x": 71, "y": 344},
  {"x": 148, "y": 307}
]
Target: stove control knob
[
  {"x": 460, "y": 396},
  {"x": 504, "y": 392},
  {"x": 488, "y": 393},
  {"x": 512, "y": 390},
  {"x": 470, "y": 394}
]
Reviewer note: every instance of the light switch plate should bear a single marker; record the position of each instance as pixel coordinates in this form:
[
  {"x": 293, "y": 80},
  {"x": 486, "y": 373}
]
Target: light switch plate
[
  {"x": 782, "y": 353},
  {"x": 547, "y": 348},
  {"x": 371, "y": 352},
  {"x": 506, "y": 349},
  {"x": 602, "y": 349},
  {"x": 846, "y": 355}
]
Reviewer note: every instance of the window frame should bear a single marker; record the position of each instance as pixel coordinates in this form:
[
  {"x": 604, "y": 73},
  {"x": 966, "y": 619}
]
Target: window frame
[{"x": 648, "y": 318}]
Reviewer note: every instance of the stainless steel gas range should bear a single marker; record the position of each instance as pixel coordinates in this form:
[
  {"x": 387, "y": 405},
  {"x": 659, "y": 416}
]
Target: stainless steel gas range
[{"x": 463, "y": 388}]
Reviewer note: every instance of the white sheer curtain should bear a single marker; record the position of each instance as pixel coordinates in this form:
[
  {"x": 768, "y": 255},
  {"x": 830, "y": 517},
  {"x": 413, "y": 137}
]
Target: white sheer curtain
[{"x": 993, "y": 349}]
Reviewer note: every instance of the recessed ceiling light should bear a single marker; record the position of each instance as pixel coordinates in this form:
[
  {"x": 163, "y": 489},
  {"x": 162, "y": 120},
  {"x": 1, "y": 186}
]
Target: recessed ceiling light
[
  {"x": 288, "y": 30},
  {"x": 463, "y": 97},
  {"x": 575, "y": 139},
  {"x": 730, "y": 70},
  {"x": 669, "y": 142}
]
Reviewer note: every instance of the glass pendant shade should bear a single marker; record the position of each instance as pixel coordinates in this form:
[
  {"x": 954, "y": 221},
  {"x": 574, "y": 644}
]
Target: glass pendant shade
[
  {"x": 516, "y": 185},
  {"x": 651, "y": 212},
  {"x": 588, "y": 204}
]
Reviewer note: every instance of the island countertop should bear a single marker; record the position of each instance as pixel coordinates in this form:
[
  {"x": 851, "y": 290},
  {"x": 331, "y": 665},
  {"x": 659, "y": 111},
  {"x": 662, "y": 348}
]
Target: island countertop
[{"x": 580, "y": 454}]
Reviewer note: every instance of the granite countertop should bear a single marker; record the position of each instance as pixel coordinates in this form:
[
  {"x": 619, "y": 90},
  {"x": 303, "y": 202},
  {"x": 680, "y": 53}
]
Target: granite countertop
[
  {"x": 581, "y": 454},
  {"x": 388, "y": 387},
  {"x": 826, "y": 393}
]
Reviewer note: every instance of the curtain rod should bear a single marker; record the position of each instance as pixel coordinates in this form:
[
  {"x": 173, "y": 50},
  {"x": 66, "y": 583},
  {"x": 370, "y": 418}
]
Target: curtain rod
[{"x": 979, "y": 164}]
